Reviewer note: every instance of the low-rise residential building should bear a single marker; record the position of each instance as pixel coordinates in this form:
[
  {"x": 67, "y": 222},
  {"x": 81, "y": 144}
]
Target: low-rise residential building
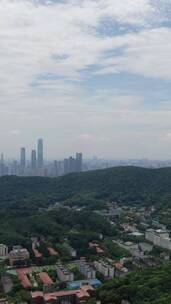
[
  {"x": 3, "y": 251},
  {"x": 129, "y": 227},
  {"x": 52, "y": 251},
  {"x": 165, "y": 256},
  {"x": 120, "y": 270},
  {"x": 18, "y": 256},
  {"x": 158, "y": 225},
  {"x": 99, "y": 250},
  {"x": 159, "y": 238},
  {"x": 64, "y": 274},
  {"x": 85, "y": 269},
  {"x": 63, "y": 296},
  {"x": 45, "y": 278},
  {"x": 145, "y": 247},
  {"x": 115, "y": 211},
  {"x": 38, "y": 255},
  {"x": 3, "y": 301},
  {"x": 105, "y": 269},
  {"x": 146, "y": 261},
  {"x": 133, "y": 248}
]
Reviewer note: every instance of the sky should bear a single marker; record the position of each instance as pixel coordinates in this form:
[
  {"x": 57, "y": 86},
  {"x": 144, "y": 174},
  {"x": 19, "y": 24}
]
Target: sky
[{"x": 86, "y": 75}]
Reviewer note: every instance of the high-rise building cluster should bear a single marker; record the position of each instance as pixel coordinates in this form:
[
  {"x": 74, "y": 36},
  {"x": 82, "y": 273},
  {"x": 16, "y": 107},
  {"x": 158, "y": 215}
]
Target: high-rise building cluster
[
  {"x": 68, "y": 165},
  {"x": 35, "y": 165}
]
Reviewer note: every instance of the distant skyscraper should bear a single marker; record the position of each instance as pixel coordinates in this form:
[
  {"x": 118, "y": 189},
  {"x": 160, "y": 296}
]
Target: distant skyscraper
[
  {"x": 71, "y": 164},
  {"x": 23, "y": 158},
  {"x": 40, "y": 154},
  {"x": 33, "y": 160},
  {"x": 55, "y": 168},
  {"x": 2, "y": 165},
  {"x": 66, "y": 166},
  {"x": 78, "y": 162},
  {"x": 14, "y": 168}
]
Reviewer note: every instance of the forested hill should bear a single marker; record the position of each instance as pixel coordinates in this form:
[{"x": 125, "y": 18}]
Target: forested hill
[
  {"x": 127, "y": 184},
  {"x": 152, "y": 286}
]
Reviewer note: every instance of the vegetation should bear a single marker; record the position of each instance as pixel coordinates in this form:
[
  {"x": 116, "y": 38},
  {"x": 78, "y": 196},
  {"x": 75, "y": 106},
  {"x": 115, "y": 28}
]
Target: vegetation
[
  {"x": 115, "y": 251},
  {"x": 25, "y": 202},
  {"x": 79, "y": 226},
  {"x": 152, "y": 286},
  {"x": 125, "y": 184},
  {"x": 28, "y": 208}
]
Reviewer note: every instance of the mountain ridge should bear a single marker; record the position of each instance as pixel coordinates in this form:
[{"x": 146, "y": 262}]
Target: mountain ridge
[{"x": 127, "y": 183}]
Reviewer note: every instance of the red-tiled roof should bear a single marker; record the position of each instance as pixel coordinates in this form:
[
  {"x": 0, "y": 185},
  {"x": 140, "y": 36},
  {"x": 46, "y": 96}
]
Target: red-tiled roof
[
  {"x": 95, "y": 245},
  {"x": 91, "y": 245},
  {"x": 83, "y": 294},
  {"x": 24, "y": 281},
  {"x": 22, "y": 275},
  {"x": 87, "y": 287},
  {"x": 119, "y": 265},
  {"x": 45, "y": 278},
  {"x": 49, "y": 296},
  {"x": 99, "y": 250},
  {"x": 24, "y": 270},
  {"x": 37, "y": 253},
  {"x": 36, "y": 294},
  {"x": 52, "y": 251}
]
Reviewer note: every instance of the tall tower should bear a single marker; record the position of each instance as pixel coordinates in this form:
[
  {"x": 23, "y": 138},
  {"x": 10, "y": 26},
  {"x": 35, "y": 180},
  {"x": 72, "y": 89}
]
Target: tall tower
[
  {"x": 2, "y": 165},
  {"x": 55, "y": 173},
  {"x": 23, "y": 158},
  {"x": 40, "y": 154},
  {"x": 71, "y": 164},
  {"x": 66, "y": 166},
  {"x": 33, "y": 160},
  {"x": 79, "y": 157}
]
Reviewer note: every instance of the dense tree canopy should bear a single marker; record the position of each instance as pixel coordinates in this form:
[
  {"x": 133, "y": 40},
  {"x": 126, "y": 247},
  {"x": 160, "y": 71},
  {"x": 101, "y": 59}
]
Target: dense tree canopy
[
  {"x": 127, "y": 184},
  {"x": 24, "y": 201},
  {"x": 152, "y": 286}
]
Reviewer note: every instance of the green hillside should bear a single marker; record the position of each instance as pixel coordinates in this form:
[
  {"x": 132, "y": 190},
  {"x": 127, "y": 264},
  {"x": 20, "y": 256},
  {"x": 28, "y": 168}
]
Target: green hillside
[
  {"x": 126, "y": 184},
  {"x": 151, "y": 286}
]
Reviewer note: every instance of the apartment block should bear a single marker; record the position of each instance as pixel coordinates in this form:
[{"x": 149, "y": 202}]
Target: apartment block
[
  {"x": 159, "y": 238},
  {"x": 18, "y": 256},
  {"x": 3, "y": 251},
  {"x": 105, "y": 269},
  {"x": 64, "y": 274},
  {"x": 85, "y": 269}
]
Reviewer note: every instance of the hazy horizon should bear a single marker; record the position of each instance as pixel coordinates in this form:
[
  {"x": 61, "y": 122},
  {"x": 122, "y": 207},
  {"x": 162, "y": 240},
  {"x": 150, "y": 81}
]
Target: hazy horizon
[{"x": 89, "y": 76}]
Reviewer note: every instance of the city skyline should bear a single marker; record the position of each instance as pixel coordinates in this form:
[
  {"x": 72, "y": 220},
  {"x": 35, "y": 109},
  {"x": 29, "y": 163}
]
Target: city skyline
[
  {"x": 34, "y": 164},
  {"x": 96, "y": 79}
]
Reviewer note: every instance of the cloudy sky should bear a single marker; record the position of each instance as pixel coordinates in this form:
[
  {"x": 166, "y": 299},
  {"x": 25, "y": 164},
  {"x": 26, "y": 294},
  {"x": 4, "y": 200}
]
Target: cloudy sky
[{"x": 86, "y": 75}]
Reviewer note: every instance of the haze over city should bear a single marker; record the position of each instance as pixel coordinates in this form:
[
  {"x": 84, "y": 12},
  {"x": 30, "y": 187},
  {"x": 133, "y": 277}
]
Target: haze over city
[{"x": 90, "y": 76}]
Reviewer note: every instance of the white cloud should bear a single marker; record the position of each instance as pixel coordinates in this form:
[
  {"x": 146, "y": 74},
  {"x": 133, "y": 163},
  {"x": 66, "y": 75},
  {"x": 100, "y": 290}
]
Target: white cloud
[
  {"x": 45, "y": 48},
  {"x": 31, "y": 34},
  {"x": 146, "y": 53}
]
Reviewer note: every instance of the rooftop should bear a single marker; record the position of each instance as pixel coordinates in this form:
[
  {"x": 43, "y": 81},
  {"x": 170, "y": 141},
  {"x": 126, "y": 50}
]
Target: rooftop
[{"x": 45, "y": 278}]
